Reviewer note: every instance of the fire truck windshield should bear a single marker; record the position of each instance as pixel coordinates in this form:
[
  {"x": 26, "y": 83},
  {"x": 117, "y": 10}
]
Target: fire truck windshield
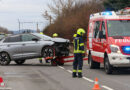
[{"x": 118, "y": 28}]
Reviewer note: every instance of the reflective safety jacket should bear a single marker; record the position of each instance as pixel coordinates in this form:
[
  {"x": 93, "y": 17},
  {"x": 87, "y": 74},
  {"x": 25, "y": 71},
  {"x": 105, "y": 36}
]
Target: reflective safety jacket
[{"x": 78, "y": 45}]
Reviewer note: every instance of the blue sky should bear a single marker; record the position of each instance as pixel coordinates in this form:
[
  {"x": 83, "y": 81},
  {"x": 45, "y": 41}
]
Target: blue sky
[{"x": 24, "y": 10}]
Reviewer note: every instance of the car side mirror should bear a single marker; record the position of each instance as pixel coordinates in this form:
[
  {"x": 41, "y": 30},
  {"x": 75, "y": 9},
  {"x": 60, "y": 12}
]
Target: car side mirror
[
  {"x": 35, "y": 39},
  {"x": 101, "y": 34}
]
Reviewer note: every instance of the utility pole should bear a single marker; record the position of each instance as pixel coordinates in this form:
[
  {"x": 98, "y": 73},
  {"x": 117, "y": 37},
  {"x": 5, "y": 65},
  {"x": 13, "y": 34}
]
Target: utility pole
[
  {"x": 19, "y": 25},
  {"x": 38, "y": 28},
  {"x": 37, "y": 25}
]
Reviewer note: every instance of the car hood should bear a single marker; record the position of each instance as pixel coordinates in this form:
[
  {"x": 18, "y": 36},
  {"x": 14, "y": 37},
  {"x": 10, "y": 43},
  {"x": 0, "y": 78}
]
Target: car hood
[{"x": 60, "y": 40}]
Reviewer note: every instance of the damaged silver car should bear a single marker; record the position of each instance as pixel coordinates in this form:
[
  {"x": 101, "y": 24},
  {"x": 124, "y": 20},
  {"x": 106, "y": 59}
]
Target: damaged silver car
[{"x": 20, "y": 47}]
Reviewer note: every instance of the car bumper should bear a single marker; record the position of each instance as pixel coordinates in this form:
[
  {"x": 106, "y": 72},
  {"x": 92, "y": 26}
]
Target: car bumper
[{"x": 119, "y": 60}]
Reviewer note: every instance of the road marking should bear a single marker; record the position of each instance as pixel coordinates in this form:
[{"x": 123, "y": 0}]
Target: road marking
[
  {"x": 4, "y": 88},
  {"x": 106, "y": 87},
  {"x": 69, "y": 71},
  {"x": 61, "y": 67},
  {"x": 88, "y": 79}
]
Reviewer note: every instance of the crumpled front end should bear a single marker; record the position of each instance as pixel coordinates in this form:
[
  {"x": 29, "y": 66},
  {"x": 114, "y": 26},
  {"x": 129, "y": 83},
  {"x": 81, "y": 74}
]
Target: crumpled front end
[{"x": 61, "y": 49}]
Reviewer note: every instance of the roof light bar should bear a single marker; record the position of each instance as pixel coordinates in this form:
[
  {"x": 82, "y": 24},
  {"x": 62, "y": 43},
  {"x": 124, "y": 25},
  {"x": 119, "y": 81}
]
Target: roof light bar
[{"x": 108, "y": 13}]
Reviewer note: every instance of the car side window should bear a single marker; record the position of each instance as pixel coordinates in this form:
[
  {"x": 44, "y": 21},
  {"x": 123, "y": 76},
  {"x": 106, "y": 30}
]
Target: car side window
[
  {"x": 13, "y": 39},
  {"x": 96, "y": 29},
  {"x": 103, "y": 29},
  {"x": 28, "y": 37}
]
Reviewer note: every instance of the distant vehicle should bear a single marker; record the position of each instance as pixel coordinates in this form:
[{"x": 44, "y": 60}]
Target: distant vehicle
[
  {"x": 108, "y": 40},
  {"x": 2, "y": 36},
  {"x": 27, "y": 46}
]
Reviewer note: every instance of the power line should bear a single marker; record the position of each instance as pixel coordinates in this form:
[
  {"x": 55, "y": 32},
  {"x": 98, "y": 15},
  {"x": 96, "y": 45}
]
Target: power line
[{"x": 37, "y": 24}]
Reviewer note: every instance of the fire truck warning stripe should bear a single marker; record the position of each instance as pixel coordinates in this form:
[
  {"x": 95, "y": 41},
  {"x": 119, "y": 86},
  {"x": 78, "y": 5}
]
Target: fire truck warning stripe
[{"x": 99, "y": 54}]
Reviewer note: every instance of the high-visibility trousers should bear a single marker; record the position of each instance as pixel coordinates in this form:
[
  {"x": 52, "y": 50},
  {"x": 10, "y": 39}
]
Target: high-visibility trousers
[{"x": 78, "y": 62}]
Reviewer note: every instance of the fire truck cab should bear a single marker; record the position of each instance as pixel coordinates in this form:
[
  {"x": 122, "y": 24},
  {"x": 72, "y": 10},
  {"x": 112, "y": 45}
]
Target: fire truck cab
[{"x": 108, "y": 40}]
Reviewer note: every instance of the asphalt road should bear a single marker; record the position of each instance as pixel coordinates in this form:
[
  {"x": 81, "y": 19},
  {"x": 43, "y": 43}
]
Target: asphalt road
[{"x": 35, "y": 76}]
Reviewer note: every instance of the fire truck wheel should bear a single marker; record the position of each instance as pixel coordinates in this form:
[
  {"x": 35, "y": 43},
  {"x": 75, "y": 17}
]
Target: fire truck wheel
[
  {"x": 107, "y": 66},
  {"x": 53, "y": 62},
  {"x": 93, "y": 64}
]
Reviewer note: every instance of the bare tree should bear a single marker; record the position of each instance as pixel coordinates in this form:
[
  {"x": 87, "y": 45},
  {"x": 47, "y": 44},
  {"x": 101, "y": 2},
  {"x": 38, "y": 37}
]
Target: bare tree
[
  {"x": 60, "y": 7},
  {"x": 3, "y": 30},
  {"x": 71, "y": 15}
]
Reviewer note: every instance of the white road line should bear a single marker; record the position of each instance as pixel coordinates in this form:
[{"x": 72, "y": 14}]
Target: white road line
[
  {"x": 4, "y": 88},
  {"x": 88, "y": 79},
  {"x": 69, "y": 71},
  {"x": 106, "y": 87},
  {"x": 61, "y": 67}
]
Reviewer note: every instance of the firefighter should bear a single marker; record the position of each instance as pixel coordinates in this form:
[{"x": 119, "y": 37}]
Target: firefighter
[
  {"x": 75, "y": 35},
  {"x": 79, "y": 53},
  {"x": 55, "y": 35}
]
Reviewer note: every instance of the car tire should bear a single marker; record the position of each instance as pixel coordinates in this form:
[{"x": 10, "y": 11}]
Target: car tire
[
  {"x": 20, "y": 62},
  {"x": 4, "y": 58},
  {"x": 108, "y": 68},
  {"x": 48, "y": 52},
  {"x": 93, "y": 64}
]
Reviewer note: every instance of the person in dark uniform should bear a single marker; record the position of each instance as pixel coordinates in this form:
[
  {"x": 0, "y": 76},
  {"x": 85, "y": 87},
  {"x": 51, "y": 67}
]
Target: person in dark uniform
[{"x": 79, "y": 53}]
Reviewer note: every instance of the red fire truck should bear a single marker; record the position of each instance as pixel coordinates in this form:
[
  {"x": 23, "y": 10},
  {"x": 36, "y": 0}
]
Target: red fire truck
[{"x": 108, "y": 40}]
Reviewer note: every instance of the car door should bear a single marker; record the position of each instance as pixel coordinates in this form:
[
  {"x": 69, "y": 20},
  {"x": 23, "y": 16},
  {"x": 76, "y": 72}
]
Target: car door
[
  {"x": 13, "y": 46},
  {"x": 30, "y": 48},
  {"x": 96, "y": 53},
  {"x": 102, "y": 43}
]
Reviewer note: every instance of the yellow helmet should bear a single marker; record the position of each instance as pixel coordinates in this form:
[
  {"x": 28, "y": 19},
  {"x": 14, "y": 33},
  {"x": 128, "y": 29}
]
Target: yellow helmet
[
  {"x": 41, "y": 32},
  {"x": 55, "y": 35},
  {"x": 75, "y": 35},
  {"x": 80, "y": 31}
]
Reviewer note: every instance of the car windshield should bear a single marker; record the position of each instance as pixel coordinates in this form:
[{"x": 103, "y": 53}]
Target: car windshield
[
  {"x": 118, "y": 28},
  {"x": 43, "y": 36}
]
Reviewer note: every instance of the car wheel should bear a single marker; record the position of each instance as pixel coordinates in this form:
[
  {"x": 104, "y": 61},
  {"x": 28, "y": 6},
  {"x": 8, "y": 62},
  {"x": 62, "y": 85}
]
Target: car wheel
[
  {"x": 19, "y": 62},
  {"x": 107, "y": 66},
  {"x": 4, "y": 58},
  {"x": 93, "y": 64},
  {"x": 53, "y": 62},
  {"x": 48, "y": 52}
]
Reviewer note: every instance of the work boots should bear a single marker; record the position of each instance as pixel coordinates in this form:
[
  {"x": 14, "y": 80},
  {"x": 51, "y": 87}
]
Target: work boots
[
  {"x": 74, "y": 75},
  {"x": 80, "y": 75}
]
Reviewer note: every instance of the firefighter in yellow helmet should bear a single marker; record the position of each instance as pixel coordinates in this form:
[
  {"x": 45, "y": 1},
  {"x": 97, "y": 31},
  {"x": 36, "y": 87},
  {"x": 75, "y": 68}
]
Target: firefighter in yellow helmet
[
  {"x": 75, "y": 35},
  {"x": 41, "y": 33},
  {"x": 79, "y": 52},
  {"x": 55, "y": 35}
]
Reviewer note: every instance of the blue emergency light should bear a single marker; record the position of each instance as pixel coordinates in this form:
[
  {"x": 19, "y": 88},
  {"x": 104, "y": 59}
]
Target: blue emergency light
[
  {"x": 108, "y": 13},
  {"x": 126, "y": 49}
]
